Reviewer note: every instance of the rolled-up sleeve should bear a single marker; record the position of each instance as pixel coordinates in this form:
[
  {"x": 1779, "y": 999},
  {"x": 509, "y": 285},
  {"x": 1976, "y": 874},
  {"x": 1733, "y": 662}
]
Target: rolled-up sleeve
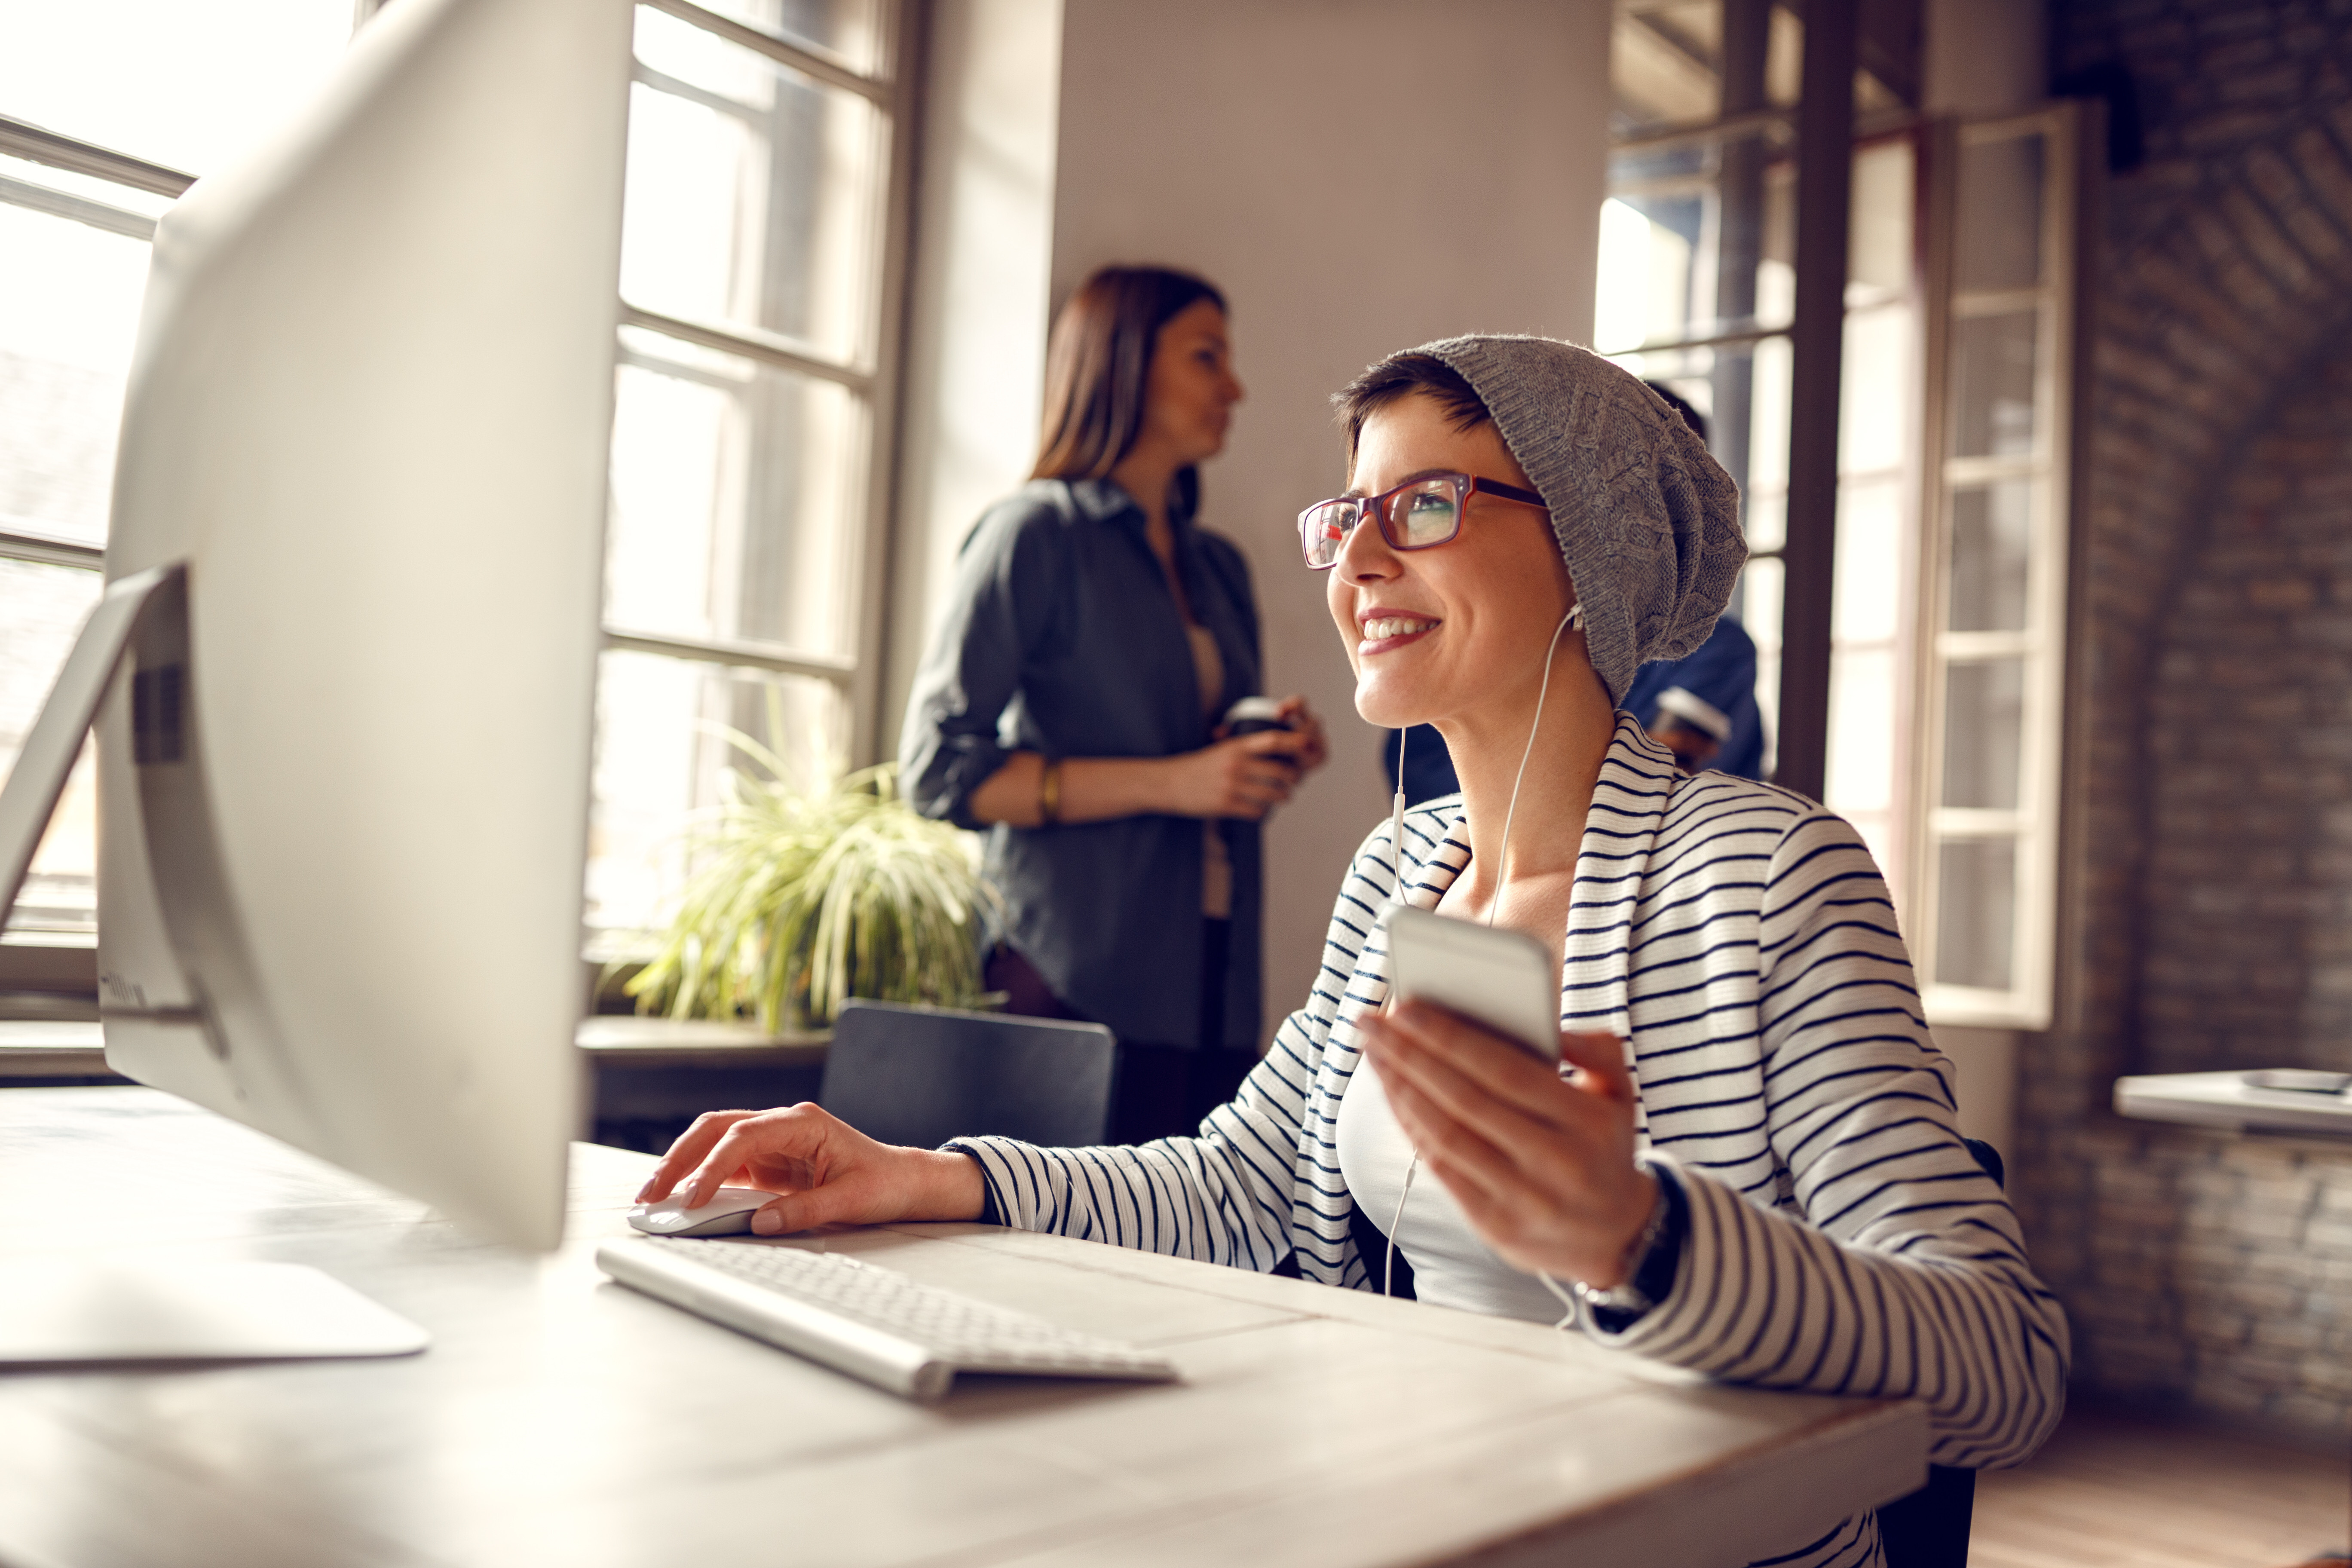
[{"x": 999, "y": 608}]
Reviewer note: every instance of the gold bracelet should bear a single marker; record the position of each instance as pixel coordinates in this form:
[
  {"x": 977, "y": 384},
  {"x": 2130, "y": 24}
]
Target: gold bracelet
[{"x": 1049, "y": 794}]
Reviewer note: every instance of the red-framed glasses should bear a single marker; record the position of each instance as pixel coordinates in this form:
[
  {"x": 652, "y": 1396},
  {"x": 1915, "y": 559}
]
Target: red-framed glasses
[{"x": 1420, "y": 514}]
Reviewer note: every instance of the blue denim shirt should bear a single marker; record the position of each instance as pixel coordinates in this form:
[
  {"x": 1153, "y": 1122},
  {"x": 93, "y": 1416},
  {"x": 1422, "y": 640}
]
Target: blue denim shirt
[{"x": 1062, "y": 637}]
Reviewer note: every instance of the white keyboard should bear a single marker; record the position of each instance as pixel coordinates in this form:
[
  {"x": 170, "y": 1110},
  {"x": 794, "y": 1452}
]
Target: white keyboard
[{"x": 870, "y": 1322}]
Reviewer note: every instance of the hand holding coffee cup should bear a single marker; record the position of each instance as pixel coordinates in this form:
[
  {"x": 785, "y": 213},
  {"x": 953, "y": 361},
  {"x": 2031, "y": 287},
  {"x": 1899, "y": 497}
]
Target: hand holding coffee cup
[{"x": 1254, "y": 716}]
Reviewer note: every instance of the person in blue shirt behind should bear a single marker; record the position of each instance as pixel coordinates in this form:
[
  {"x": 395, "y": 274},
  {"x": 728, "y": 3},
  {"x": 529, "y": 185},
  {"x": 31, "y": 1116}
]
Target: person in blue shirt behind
[{"x": 1702, "y": 708}]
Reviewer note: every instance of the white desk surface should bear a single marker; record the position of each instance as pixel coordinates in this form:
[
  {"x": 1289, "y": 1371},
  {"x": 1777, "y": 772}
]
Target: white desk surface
[
  {"x": 561, "y": 1418},
  {"x": 2225, "y": 1101}
]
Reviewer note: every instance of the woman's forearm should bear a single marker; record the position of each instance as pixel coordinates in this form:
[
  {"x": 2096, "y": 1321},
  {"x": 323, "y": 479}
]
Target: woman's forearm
[{"x": 1093, "y": 789}]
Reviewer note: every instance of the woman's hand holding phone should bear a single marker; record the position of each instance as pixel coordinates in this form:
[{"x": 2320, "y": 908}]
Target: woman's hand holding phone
[{"x": 1541, "y": 1160}]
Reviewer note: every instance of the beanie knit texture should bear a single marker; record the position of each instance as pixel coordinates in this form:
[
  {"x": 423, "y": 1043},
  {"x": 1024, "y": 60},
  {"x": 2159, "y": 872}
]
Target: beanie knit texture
[{"x": 1646, "y": 520}]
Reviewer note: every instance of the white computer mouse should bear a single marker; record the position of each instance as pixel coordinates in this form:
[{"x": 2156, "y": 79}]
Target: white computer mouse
[{"x": 728, "y": 1213}]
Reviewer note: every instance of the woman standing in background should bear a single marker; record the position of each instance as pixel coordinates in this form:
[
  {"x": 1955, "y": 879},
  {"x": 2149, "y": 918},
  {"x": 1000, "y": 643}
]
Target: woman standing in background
[{"x": 1070, "y": 704}]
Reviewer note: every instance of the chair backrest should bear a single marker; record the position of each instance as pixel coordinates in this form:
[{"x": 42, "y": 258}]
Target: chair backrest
[
  {"x": 1929, "y": 1529},
  {"x": 920, "y": 1076}
]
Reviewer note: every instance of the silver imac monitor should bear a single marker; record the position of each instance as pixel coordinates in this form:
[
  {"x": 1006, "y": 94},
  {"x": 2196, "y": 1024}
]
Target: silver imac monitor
[{"x": 343, "y": 676}]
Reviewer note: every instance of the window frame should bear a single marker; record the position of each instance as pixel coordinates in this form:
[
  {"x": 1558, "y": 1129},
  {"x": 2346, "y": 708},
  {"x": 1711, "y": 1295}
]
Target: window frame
[
  {"x": 2044, "y": 645},
  {"x": 871, "y": 373},
  {"x": 872, "y": 378},
  {"x": 33, "y": 145},
  {"x": 47, "y": 972}
]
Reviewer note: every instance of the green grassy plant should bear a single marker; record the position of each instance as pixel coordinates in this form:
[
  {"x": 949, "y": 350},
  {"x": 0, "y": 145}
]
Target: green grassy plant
[{"x": 800, "y": 899}]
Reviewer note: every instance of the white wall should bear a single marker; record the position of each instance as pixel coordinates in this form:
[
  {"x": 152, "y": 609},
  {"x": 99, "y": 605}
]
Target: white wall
[
  {"x": 977, "y": 312},
  {"x": 1358, "y": 177}
]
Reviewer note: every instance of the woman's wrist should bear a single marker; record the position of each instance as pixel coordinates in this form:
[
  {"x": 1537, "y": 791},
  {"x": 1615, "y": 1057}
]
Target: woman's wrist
[
  {"x": 1099, "y": 789},
  {"x": 1635, "y": 1238},
  {"x": 948, "y": 1186},
  {"x": 1083, "y": 789},
  {"x": 1049, "y": 793}
]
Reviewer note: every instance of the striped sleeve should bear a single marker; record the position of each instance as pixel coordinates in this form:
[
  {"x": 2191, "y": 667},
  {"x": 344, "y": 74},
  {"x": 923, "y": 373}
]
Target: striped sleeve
[
  {"x": 1229, "y": 1194},
  {"x": 1222, "y": 1196},
  {"x": 1901, "y": 1271}
]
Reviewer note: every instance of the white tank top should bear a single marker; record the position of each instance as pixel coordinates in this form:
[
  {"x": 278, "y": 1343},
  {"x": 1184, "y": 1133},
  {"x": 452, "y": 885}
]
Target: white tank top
[{"x": 1451, "y": 1267}]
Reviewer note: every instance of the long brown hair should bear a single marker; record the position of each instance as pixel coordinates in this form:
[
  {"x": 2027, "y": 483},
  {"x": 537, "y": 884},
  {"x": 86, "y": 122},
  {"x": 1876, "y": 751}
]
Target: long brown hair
[{"x": 1099, "y": 365}]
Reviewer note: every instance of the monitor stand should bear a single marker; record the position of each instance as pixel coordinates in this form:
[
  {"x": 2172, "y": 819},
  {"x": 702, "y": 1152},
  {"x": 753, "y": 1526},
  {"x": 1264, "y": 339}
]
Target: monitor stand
[{"x": 93, "y": 1308}]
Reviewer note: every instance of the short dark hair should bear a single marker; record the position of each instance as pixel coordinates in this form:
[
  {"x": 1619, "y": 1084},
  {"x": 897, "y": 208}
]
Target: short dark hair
[
  {"x": 1399, "y": 377},
  {"x": 1682, "y": 405},
  {"x": 1099, "y": 365}
]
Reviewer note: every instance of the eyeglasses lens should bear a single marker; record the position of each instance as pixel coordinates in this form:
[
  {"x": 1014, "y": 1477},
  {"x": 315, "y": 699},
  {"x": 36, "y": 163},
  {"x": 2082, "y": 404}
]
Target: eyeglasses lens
[
  {"x": 1428, "y": 513},
  {"x": 1326, "y": 529}
]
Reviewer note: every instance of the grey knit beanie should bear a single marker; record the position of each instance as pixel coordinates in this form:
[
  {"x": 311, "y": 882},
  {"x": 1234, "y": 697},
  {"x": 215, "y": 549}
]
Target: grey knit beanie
[{"x": 1647, "y": 520}]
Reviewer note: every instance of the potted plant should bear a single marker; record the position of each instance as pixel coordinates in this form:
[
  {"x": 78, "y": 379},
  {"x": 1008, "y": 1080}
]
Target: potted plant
[{"x": 799, "y": 899}]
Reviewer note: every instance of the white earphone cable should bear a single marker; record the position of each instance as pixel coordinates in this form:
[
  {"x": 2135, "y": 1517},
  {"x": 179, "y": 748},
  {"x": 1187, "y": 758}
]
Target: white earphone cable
[
  {"x": 1575, "y": 617},
  {"x": 1396, "y": 825}
]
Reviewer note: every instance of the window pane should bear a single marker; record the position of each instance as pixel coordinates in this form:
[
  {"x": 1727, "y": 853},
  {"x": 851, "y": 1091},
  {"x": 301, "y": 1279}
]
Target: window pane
[
  {"x": 1976, "y": 912},
  {"x": 1994, "y": 385},
  {"x": 850, "y": 31},
  {"x": 657, "y": 763},
  {"x": 1757, "y": 603},
  {"x": 1866, "y": 589},
  {"x": 1860, "y": 779},
  {"x": 1997, "y": 233},
  {"x": 1695, "y": 241},
  {"x": 1648, "y": 245},
  {"x": 68, "y": 312},
  {"x": 41, "y": 609},
  {"x": 736, "y": 491},
  {"x": 1874, "y": 406},
  {"x": 1880, "y": 244},
  {"x": 190, "y": 86},
  {"x": 69, "y": 298},
  {"x": 751, "y": 192},
  {"x": 1866, "y": 695},
  {"x": 1984, "y": 726},
  {"x": 1992, "y": 540}
]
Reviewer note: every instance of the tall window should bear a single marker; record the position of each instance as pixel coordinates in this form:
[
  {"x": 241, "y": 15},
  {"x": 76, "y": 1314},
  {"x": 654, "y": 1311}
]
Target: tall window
[
  {"x": 105, "y": 107},
  {"x": 757, "y": 267},
  {"x": 1995, "y": 566},
  {"x": 1949, "y": 596},
  {"x": 1698, "y": 289},
  {"x": 766, "y": 187}
]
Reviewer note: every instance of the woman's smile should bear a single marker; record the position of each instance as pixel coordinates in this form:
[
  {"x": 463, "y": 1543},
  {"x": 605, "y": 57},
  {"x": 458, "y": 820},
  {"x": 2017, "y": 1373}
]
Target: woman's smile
[{"x": 1385, "y": 630}]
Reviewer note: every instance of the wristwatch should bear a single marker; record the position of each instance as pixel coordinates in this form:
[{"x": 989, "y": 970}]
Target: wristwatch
[{"x": 1652, "y": 1262}]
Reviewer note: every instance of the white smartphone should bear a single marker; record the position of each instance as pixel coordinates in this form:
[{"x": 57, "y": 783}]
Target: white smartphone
[{"x": 1500, "y": 978}]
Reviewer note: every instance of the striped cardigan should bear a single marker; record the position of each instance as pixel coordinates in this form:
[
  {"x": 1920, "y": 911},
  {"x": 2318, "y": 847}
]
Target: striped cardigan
[{"x": 1842, "y": 1239}]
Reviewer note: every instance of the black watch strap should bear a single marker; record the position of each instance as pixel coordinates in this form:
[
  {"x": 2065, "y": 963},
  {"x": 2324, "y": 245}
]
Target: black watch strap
[{"x": 1615, "y": 1311}]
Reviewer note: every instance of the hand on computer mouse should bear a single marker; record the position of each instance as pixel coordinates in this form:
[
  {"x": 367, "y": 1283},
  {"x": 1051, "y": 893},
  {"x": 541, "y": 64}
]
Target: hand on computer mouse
[{"x": 823, "y": 1171}]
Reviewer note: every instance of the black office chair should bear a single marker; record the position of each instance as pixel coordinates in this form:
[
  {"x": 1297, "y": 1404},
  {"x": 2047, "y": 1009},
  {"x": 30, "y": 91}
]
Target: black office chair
[
  {"x": 920, "y": 1076},
  {"x": 1929, "y": 1529}
]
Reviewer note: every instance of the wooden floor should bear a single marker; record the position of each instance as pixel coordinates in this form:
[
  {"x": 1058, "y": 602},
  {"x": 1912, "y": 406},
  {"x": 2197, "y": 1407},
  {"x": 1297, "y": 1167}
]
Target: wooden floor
[{"x": 2110, "y": 1492}]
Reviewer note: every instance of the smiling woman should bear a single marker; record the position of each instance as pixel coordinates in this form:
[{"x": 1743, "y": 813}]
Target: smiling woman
[{"x": 1747, "y": 1164}]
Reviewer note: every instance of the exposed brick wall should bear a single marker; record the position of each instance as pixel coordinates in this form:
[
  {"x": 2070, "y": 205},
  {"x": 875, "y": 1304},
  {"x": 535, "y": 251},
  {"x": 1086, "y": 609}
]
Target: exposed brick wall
[
  {"x": 2218, "y": 1275},
  {"x": 2247, "y": 957},
  {"x": 2207, "y": 924}
]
